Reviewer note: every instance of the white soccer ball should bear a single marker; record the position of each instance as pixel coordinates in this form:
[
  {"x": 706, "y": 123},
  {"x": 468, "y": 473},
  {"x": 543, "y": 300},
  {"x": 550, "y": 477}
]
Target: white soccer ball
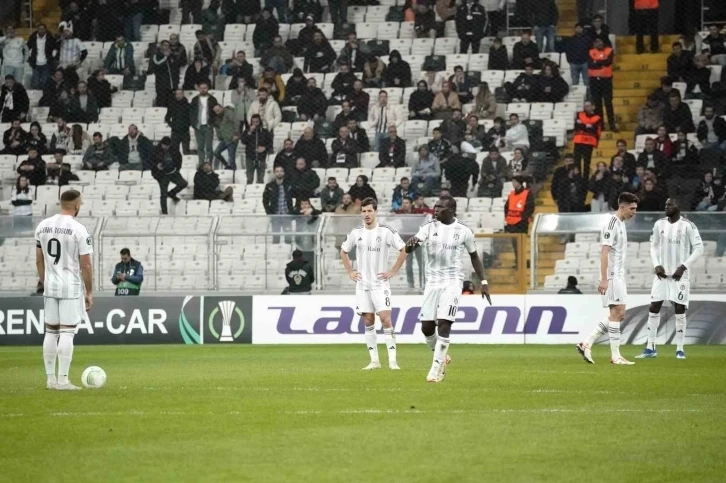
[{"x": 93, "y": 377}]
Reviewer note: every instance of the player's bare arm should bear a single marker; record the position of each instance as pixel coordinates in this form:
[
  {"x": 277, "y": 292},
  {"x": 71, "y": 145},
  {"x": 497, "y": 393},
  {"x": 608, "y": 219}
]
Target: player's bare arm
[
  {"x": 40, "y": 263},
  {"x": 412, "y": 244},
  {"x": 87, "y": 273},
  {"x": 479, "y": 269},
  {"x": 603, "y": 286},
  {"x": 396, "y": 266},
  {"x": 355, "y": 276}
]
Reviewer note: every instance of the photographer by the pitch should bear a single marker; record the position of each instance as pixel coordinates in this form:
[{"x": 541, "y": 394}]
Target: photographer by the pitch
[{"x": 128, "y": 275}]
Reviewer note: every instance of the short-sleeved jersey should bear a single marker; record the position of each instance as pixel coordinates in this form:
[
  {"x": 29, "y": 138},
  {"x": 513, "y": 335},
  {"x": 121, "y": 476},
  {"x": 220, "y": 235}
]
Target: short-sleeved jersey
[
  {"x": 614, "y": 236},
  {"x": 372, "y": 249},
  {"x": 445, "y": 246},
  {"x": 671, "y": 244},
  {"x": 63, "y": 240}
]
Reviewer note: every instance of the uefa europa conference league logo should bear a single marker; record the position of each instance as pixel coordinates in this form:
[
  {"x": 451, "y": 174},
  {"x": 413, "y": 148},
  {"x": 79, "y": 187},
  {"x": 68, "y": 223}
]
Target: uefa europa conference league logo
[
  {"x": 225, "y": 322},
  {"x": 228, "y": 310}
]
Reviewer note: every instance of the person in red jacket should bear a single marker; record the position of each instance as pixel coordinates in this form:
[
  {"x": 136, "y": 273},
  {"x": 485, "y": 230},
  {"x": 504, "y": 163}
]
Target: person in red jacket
[{"x": 646, "y": 22}]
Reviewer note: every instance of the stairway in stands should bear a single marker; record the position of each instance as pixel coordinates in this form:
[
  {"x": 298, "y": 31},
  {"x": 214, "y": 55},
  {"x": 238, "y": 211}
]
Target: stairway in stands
[{"x": 44, "y": 11}]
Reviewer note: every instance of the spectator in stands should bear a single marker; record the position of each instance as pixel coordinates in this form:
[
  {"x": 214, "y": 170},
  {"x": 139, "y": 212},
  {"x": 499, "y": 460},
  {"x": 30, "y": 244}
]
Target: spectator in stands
[
  {"x": 677, "y": 116},
  {"x": 684, "y": 158},
  {"x": 601, "y": 81},
  {"x": 490, "y": 183},
  {"x": 307, "y": 11},
  {"x": 58, "y": 171},
  {"x": 665, "y": 89},
  {"x": 646, "y": 22},
  {"x": 525, "y": 86},
  {"x": 709, "y": 193},
  {"x": 494, "y": 166},
  {"x": 485, "y": 106},
  {"x": 268, "y": 110},
  {"x": 578, "y": 55},
  {"x": 41, "y": 46},
  {"x": 258, "y": 145},
  {"x": 445, "y": 103},
  {"x": 212, "y": 21},
  {"x": 598, "y": 30},
  {"x": 571, "y": 288},
  {"x": 15, "y": 53},
  {"x": 358, "y": 135},
  {"x": 628, "y": 159},
  {"x": 426, "y": 172},
  {"x": 312, "y": 149},
  {"x": 663, "y": 142},
  {"x": 552, "y": 88},
  {"x": 299, "y": 273},
  {"x": 242, "y": 98},
  {"x": 134, "y": 150},
  {"x": 266, "y": 30},
  {"x": 381, "y": 117},
  {"x": 392, "y": 151},
  {"x": 650, "y": 116},
  {"x": 518, "y": 165},
  {"x": 517, "y": 134},
  {"x": 354, "y": 53},
  {"x": 201, "y": 115},
  {"x": 22, "y": 198},
  {"x": 373, "y": 72},
  {"x": 313, "y": 104},
  {"x": 518, "y": 211},
  {"x": 71, "y": 55},
  {"x": 195, "y": 74},
  {"x": 303, "y": 179},
  {"x": 398, "y": 73},
  {"x": 344, "y": 151},
  {"x": 101, "y": 89},
  {"x": 227, "y": 128},
  {"x": 588, "y": 127},
  {"x": 342, "y": 84},
  {"x": 342, "y": 118},
  {"x": 305, "y": 37},
  {"x": 61, "y": 136},
  {"x": 98, "y": 156},
  {"x": 420, "y": 206},
  {"x": 134, "y": 16},
  {"x": 711, "y": 130},
  {"x": 52, "y": 89},
  {"x": 471, "y": 25},
  {"x": 401, "y": 192},
  {"x": 33, "y": 168},
  {"x": 653, "y": 159},
  {"x": 120, "y": 58},
  {"x": 420, "y": 102},
  {"x": 525, "y": 52},
  {"x": 680, "y": 63},
  {"x": 716, "y": 43},
  {"x": 424, "y": 25},
  {"x": 439, "y": 146},
  {"x": 331, "y": 195},
  {"x": 454, "y": 128},
  {"x": 208, "y": 50},
  {"x": 462, "y": 85},
  {"x": 277, "y": 200},
  {"x": 14, "y": 139},
  {"x": 277, "y": 56},
  {"x": 248, "y": 10},
  {"x": 206, "y": 185},
  {"x": 573, "y": 192},
  {"x": 475, "y": 132},
  {"x": 637, "y": 181},
  {"x": 347, "y": 206},
  {"x": 498, "y": 56},
  {"x": 177, "y": 117},
  {"x": 651, "y": 197},
  {"x": 361, "y": 189},
  {"x": 559, "y": 178},
  {"x": 128, "y": 275},
  {"x": 616, "y": 187},
  {"x": 458, "y": 170},
  {"x": 319, "y": 56},
  {"x": 166, "y": 69},
  {"x": 405, "y": 208},
  {"x": 359, "y": 102},
  {"x": 83, "y": 105},
  {"x": 36, "y": 139},
  {"x": 295, "y": 88},
  {"x": 699, "y": 77},
  {"x": 165, "y": 169},
  {"x": 599, "y": 187},
  {"x": 544, "y": 17},
  {"x": 14, "y": 102},
  {"x": 177, "y": 51},
  {"x": 79, "y": 141},
  {"x": 287, "y": 157}
]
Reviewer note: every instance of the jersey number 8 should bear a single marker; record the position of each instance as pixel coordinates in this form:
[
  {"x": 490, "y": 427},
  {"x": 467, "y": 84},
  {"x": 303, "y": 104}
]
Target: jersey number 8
[{"x": 54, "y": 250}]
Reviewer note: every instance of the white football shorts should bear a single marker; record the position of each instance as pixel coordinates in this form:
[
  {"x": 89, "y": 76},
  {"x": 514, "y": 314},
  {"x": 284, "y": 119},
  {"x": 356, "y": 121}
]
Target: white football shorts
[
  {"x": 440, "y": 303},
  {"x": 64, "y": 311},
  {"x": 373, "y": 301},
  {"x": 616, "y": 293},
  {"x": 669, "y": 289}
]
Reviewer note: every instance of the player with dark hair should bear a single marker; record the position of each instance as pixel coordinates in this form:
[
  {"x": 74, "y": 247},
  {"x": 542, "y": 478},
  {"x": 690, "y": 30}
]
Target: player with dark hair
[{"x": 445, "y": 240}]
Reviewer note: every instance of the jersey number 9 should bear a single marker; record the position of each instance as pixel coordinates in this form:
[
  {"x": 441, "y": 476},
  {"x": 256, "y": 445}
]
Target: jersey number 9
[{"x": 54, "y": 250}]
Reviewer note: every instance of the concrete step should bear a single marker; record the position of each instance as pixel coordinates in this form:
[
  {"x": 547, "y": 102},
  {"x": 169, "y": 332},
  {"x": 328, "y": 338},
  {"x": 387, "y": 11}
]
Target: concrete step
[
  {"x": 633, "y": 66},
  {"x": 629, "y": 40},
  {"x": 644, "y": 82}
]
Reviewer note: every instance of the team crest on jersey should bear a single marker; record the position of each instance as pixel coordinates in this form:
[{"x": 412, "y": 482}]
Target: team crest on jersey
[
  {"x": 456, "y": 236},
  {"x": 378, "y": 239},
  {"x": 683, "y": 286},
  {"x": 88, "y": 240},
  {"x": 678, "y": 233},
  {"x": 606, "y": 236},
  {"x": 385, "y": 292}
]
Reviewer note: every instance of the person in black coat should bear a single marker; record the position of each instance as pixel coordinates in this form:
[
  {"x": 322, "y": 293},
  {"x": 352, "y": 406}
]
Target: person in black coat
[
  {"x": 206, "y": 185},
  {"x": 342, "y": 84},
  {"x": 14, "y": 139},
  {"x": 166, "y": 69},
  {"x": 33, "y": 168},
  {"x": 177, "y": 117},
  {"x": 677, "y": 116},
  {"x": 303, "y": 179},
  {"x": 345, "y": 151},
  {"x": 424, "y": 25},
  {"x": 525, "y": 87},
  {"x": 652, "y": 158},
  {"x": 498, "y": 56},
  {"x": 101, "y": 89},
  {"x": 361, "y": 189},
  {"x": 266, "y": 30},
  {"x": 238, "y": 69},
  {"x": 680, "y": 63},
  {"x": 359, "y": 136},
  {"x": 41, "y": 73},
  {"x": 313, "y": 104},
  {"x": 258, "y": 144},
  {"x": 559, "y": 179},
  {"x": 299, "y": 274},
  {"x": 287, "y": 157},
  {"x": 525, "y": 52},
  {"x": 420, "y": 102},
  {"x": 711, "y": 131},
  {"x": 248, "y": 10},
  {"x": 312, "y": 149},
  {"x": 699, "y": 76},
  {"x": 392, "y": 153},
  {"x": 165, "y": 169},
  {"x": 551, "y": 87},
  {"x": 295, "y": 88},
  {"x": 458, "y": 170},
  {"x": 20, "y": 105},
  {"x": 629, "y": 161},
  {"x": 398, "y": 73},
  {"x": 342, "y": 118},
  {"x": 684, "y": 159},
  {"x": 320, "y": 56},
  {"x": 571, "y": 288},
  {"x": 53, "y": 88},
  {"x": 471, "y": 23},
  {"x": 196, "y": 73}
]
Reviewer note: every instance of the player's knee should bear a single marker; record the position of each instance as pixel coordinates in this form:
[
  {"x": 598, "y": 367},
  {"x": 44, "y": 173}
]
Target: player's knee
[
  {"x": 444, "y": 328},
  {"x": 369, "y": 319},
  {"x": 655, "y": 307},
  {"x": 680, "y": 309},
  {"x": 428, "y": 328}
]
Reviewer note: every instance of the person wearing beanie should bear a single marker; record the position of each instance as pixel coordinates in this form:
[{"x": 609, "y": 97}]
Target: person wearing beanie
[
  {"x": 571, "y": 288},
  {"x": 299, "y": 274}
]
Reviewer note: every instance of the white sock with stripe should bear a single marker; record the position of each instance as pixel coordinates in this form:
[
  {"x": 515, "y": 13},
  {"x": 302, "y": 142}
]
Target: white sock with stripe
[
  {"x": 431, "y": 341},
  {"x": 65, "y": 354},
  {"x": 390, "y": 344},
  {"x": 614, "y": 332},
  {"x": 653, "y": 323},
  {"x": 50, "y": 350},
  {"x": 600, "y": 329},
  {"x": 680, "y": 331},
  {"x": 372, "y": 343},
  {"x": 442, "y": 347}
]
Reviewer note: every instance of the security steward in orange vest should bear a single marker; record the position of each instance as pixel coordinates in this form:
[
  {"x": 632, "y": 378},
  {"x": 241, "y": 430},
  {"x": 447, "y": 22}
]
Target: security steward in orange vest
[
  {"x": 518, "y": 211},
  {"x": 601, "y": 80},
  {"x": 646, "y": 22},
  {"x": 588, "y": 127}
]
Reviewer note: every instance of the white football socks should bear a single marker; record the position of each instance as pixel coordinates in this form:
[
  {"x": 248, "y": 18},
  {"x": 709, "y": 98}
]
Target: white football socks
[
  {"x": 600, "y": 329},
  {"x": 680, "y": 331},
  {"x": 390, "y": 339},
  {"x": 65, "y": 354},
  {"x": 614, "y": 332},
  {"x": 653, "y": 323},
  {"x": 50, "y": 350},
  {"x": 442, "y": 347},
  {"x": 371, "y": 342},
  {"x": 431, "y": 341}
]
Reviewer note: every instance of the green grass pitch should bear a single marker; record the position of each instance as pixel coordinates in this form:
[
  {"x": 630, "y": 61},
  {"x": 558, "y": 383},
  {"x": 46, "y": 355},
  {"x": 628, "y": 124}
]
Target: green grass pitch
[{"x": 309, "y": 414}]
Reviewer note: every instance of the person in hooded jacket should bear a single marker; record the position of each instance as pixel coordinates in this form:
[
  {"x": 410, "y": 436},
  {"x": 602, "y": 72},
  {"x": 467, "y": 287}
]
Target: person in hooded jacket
[
  {"x": 420, "y": 102},
  {"x": 295, "y": 88},
  {"x": 313, "y": 104},
  {"x": 300, "y": 275},
  {"x": 361, "y": 189},
  {"x": 551, "y": 88},
  {"x": 303, "y": 179},
  {"x": 312, "y": 149},
  {"x": 398, "y": 73}
]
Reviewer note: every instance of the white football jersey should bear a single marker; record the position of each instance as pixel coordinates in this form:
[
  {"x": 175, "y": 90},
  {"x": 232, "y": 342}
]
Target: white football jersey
[
  {"x": 63, "y": 240},
  {"x": 672, "y": 244},
  {"x": 372, "y": 249},
  {"x": 445, "y": 246},
  {"x": 614, "y": 236}
]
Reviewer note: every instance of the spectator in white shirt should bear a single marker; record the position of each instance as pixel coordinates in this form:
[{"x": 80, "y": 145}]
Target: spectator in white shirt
[
  {"x": 381, "y": 116},
  {"x": 267, "y": 108},
  {"x": 517, "y": 135},
  {"x": 14, "y": 54},
  {"x": 71, "y": 54}
]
